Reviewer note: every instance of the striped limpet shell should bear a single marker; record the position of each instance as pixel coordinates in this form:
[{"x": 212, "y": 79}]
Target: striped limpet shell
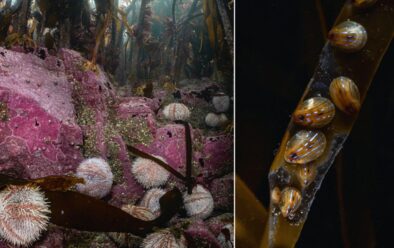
[
  {"x": 348, "y": 36},
  {"x": 290, "y": 201},
  {"x": 306, "y": 174},
  {"x": 314, "y": 112},
  {"x": 305, "y": 146},
  {"x": 344, "y": 93}
]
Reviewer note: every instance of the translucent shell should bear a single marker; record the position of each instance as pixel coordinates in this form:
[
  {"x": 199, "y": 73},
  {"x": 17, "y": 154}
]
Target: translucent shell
[
  {"x": 275, "y": 195},
  {"x": 363, "y": 3},
  {"x": 344, "y": 93},
  {"x": 305, "y": 146},
  {"x": 290, "y": 201},
  {"x": 315, "y": 112},
  {"x": 348, "y": 36},
  {"x": 306, "y": 174}
]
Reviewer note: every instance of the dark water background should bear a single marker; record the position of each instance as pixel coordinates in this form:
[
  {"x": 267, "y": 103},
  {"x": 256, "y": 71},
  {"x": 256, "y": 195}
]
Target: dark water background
[{"x": 278, "y": 45}]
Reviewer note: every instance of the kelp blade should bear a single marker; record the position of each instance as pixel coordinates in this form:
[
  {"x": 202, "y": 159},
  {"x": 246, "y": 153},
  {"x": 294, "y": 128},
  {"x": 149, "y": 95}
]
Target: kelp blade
[
  {"x": 74, "y": 210},
  {"x": 251, "y": 217}
]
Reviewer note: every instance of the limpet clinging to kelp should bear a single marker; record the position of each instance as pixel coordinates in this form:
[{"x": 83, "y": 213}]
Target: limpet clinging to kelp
[
  {"x": 348, "y": 36},
  {"x": 306, "y": 174},
  {"x": 344, "y": 93},
  {"x": 275, "y": 195},
  {"x": 314, "y": 112},
  {"x": 305, "y": 146},
  {"x": 290, "y": 201}
]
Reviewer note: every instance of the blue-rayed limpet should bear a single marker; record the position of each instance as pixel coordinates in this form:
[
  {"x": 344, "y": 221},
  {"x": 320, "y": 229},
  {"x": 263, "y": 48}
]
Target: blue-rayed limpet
[
  {"x": 314, "y": 112},
  {"x": 305, "y": 146},
  {"x": 348, "y": 36},
  {"x": 345, "y": 95},
  {"x": 290, "y": 201}
]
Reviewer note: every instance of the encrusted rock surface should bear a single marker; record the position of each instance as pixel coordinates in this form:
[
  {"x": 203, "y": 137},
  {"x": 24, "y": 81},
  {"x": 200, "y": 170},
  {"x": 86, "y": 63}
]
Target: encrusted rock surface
[{"x": 54, "y": 112}]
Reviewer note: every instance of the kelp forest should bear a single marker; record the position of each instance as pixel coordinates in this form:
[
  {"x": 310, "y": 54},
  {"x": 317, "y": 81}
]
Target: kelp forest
[{"x": 136, "y": 42}]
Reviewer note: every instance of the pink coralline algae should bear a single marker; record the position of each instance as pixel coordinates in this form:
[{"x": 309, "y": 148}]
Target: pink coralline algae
[{"x": 55, "y": 113}]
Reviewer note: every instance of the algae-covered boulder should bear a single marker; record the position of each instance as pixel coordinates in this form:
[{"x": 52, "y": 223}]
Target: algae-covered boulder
[{"x": 56, "y": 111}]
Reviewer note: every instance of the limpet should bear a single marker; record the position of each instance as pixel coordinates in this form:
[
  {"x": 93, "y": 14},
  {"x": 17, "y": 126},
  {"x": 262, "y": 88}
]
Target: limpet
[
  {"x": 306, "y": 174},
  {"x": 344, "y": 93},
  {"x": 290, "y": 201},
  {"x": 348, "y": 36},
  {"x": 305, "y": 146},
  {"x": 314, "y": 112}
]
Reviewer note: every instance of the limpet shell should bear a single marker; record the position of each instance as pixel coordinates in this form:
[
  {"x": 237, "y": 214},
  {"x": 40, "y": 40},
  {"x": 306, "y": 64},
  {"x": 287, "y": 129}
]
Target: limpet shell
[
  {"x": 314, "y": 112},
  {"x": 275, "y": 195},
  {"x": 305, "y": 146},
  {"x": 290, "y": 201},
  {"x": 344, "y": 93},
  {"x": 306, "y": 174},
  {"x": 363, "y": 3},
  {"x": 349, "y": 36}
]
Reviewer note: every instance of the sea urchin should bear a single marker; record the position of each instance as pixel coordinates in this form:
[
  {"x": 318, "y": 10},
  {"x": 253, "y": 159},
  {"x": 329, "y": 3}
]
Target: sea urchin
[{"x": 23, "y": 214}]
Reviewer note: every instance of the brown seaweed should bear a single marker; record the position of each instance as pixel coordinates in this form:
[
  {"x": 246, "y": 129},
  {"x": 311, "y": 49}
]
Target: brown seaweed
[
  {"x": 189, "y": 157},
  {"x": 74, "y": 210},
  {"x": 54, "y": 183}
]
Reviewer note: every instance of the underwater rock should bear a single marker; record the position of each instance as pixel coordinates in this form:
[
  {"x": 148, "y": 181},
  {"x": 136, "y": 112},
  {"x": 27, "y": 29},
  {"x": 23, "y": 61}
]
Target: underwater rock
[
  {"x": 217, "y": 156},
  {"x": 199, "y": 235},
  {"x": 39, "y": 135},
  {"x": 222, "y": 190},
  {"x": 217, "y": 223}
]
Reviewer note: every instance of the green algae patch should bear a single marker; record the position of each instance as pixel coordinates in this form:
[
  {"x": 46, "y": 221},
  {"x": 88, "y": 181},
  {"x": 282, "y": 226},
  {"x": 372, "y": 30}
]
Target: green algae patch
[
  {"x": 89, "y": 143},
  {"x": 113, "y": 152},
  {"x": 3, "y": 112},
  {"x": 135, "y": 131},
  {"x": 86, "y": 117}
]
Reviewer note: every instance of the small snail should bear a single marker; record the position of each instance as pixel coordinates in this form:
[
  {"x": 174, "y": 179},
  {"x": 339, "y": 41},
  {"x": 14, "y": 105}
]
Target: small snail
[
  {"x": 305, "y": 146},
  {"x": 306, "y": 174},
  {"x": 315, "y": 112},
  {"x": 344, "y": 93},
  {"x": 363, "y": 3},
  {"x": 290, "y": 201},
  {"x": 348, "y": 36}
]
